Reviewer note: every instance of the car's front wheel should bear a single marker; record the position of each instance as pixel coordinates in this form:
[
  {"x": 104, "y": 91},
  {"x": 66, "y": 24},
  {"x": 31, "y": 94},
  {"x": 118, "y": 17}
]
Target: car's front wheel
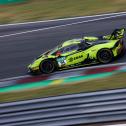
[
  {"x": 104, "y": 55},
  {"x": 47, "y": 66}
]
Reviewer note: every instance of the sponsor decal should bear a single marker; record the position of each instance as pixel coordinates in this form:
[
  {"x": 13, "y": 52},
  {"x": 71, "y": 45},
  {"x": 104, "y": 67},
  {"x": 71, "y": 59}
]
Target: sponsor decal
[
  {"x": 61, "y": 61},
  {"x": 75, "y": 58}
]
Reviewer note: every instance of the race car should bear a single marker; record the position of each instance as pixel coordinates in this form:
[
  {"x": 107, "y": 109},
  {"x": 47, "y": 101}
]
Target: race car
[{"x": 80, "y": 52}]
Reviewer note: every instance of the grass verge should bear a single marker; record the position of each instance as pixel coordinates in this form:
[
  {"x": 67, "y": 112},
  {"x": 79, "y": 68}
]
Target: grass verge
[
  {"x": 113, "y": 82},
  {"x": 33, "y": 10}
]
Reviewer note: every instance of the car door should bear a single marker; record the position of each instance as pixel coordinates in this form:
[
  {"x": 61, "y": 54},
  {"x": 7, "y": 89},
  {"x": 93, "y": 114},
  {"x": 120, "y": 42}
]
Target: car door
[
  {"x": 75, "y": 55},
  {"x": 75, "y": 58},
  {"x": 71, "y": 55}
]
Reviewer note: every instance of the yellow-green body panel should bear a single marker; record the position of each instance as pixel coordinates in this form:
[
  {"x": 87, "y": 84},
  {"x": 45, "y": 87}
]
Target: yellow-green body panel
[{"x": 77, "y": 57}]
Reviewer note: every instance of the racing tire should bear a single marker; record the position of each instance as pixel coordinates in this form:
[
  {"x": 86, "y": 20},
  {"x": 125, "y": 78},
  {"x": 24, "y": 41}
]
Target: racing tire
[
  {"x": 47, "y": 66},
  {"x": 104, "y": 56}
]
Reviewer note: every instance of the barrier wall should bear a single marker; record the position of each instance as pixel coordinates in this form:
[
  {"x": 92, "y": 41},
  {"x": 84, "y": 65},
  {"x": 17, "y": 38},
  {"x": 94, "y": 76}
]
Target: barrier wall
[{"x": 68, "y": 110}]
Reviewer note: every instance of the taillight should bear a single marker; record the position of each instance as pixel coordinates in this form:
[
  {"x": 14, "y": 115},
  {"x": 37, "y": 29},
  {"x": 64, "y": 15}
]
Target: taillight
[{"x": 117, "y": 43}]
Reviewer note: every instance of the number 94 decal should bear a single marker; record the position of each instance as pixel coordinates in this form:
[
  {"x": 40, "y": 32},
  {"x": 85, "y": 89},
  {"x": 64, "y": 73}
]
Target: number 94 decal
[{"x": 61, "y": 61}]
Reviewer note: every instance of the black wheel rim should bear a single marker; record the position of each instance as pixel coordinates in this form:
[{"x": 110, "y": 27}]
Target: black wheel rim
[
  {"x": 47, "y": 67},
  {"x": 105, "y": 56}
]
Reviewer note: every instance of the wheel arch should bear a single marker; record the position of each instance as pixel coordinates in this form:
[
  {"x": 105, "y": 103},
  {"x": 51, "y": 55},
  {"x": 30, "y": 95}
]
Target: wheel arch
[
  {"x": 104, "y": 49},
  {"x": 109, "y": 49},
  {"x": 48, "y": 59}
]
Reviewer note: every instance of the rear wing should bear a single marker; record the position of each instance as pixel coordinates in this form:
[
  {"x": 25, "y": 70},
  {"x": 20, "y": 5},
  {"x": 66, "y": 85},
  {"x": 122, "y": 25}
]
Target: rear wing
[{"x": 118, "y": 34}]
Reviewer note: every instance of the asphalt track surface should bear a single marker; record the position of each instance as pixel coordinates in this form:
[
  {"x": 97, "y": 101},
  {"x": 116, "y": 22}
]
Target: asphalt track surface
[{"x": 20, "y": 44}]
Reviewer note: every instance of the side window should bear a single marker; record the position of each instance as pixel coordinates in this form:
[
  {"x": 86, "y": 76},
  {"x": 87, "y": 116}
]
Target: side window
[
  {"x": 84, "y": 46},
  {"x": 75, "y": 47},
  {"x": 70, "y": 48},
  {"x": 67, "y": 49}
]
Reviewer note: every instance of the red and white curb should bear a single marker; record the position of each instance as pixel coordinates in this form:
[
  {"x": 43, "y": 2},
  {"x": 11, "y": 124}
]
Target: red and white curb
[{"x": 64, "y": 74}]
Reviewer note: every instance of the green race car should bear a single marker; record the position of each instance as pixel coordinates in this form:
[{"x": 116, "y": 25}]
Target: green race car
[{"x": 80, "y": 52}]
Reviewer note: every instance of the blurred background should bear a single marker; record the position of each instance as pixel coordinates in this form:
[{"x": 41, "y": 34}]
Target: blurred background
[{"x": 12, "y": 11}]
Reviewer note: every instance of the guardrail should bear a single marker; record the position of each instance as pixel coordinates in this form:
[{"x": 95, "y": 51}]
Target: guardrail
[{"x": 85, "y": 108}]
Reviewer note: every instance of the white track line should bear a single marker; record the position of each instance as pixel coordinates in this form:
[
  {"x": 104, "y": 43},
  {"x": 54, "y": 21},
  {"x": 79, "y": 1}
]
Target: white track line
[
  {"x": 14, "y": 78},
  {"x": 64, "y": 19},
  {"x": 116, "y": 125},
  {"x": 59, "y": 26}
]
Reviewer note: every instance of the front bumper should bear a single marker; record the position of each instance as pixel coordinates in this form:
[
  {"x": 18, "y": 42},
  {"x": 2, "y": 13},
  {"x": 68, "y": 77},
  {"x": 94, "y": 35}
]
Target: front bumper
[{"x": 33, "y": 69}]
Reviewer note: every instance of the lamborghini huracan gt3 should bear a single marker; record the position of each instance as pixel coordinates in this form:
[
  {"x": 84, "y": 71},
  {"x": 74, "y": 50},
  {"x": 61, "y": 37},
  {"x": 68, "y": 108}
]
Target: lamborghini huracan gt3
[{"x": 80, "y": 52}]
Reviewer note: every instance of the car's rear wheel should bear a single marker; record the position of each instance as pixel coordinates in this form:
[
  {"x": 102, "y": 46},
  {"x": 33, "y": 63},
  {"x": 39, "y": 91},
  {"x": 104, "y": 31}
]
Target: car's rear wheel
[
  {"x": 104, "y": 55},
  {"x": 47, "y": 66}
]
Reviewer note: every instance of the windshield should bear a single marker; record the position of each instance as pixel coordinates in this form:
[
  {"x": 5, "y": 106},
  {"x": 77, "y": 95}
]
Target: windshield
[
  {"x": 70, "y": 48},
  {"x": 65, "y": 49},
  {"x": 53, "y": 51}
]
